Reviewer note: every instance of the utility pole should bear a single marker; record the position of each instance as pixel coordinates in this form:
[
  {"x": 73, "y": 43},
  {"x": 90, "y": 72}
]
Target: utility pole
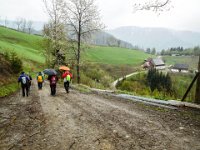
[{"x": 197, "y": 95}]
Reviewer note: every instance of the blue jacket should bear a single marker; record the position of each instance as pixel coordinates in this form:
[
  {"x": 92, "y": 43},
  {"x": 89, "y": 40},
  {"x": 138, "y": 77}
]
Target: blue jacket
[{"x": 20, "y": 78}]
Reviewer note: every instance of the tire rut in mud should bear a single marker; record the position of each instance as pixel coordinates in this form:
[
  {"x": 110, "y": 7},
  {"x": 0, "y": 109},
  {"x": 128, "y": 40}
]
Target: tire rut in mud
[{"x": 24, "y": 123}]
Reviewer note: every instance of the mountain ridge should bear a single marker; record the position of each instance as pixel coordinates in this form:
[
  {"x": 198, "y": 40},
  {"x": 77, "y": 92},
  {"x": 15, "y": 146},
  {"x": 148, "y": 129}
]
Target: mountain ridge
[{"x": 159, "y": 38}]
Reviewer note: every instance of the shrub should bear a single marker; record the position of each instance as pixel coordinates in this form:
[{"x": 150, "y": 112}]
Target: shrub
[
  {"x": 16, "y": 63},
  {"x": 93, "y": 76},
  {"x": 7, "y": 55},
  {"x": 127, "y": 86}
]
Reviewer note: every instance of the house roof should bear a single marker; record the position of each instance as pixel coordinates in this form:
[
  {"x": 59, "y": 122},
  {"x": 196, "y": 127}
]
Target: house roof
[
  {"x": 158, "y": 62},
  {"x": 181, "y": 66}
]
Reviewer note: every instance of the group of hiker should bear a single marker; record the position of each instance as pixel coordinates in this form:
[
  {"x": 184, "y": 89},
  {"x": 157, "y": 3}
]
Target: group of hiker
[{"x": 25, "y": 80}]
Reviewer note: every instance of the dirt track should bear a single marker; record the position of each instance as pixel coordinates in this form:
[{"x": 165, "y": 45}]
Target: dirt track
[{"x": 92, "y": 122}]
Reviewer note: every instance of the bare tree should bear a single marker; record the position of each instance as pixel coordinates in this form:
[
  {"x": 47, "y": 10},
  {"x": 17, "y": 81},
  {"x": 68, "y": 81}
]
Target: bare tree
[
  {"x": 55, "y": 10},
  {"x": 6, "y": 22},
  {"x": 23, "y": 25},
  {"x": 30, "y": 26},
  {"x": 47, "y": 45},
  {"x": 154, "y": 5},
  {"x": 18, "y": 22},
  {"x": 83, "y": 19},
  {"x": 55, "y": 30}
]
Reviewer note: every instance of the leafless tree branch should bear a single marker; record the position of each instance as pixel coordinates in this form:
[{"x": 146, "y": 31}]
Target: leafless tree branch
[{"x": 153, "y": 5}]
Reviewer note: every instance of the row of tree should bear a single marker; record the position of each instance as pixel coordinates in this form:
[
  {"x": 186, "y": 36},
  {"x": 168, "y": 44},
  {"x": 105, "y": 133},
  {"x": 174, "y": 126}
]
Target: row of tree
[
  {"x": 181, "y": 51},
  {"x": 151, "y": 51},
  {"x": 19, "y": 24},
  {"x": 24, "y": 25}
]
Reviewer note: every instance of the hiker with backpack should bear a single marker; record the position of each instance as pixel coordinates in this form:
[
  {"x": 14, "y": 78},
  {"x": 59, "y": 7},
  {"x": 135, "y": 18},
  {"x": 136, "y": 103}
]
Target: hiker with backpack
[
  {"x": 23, "y": 78},
  {"x": 53, "y": 80},
  {"x": 40, "y": 80},
  {"x": 67, "y": 76}
]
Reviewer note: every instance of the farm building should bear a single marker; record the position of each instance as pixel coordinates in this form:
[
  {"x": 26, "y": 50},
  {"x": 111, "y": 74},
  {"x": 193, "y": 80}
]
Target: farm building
[
  {"x": 180, "y": 68},
  {"x": 156, "y": 63},
  {"x": 175, "y": 54}
]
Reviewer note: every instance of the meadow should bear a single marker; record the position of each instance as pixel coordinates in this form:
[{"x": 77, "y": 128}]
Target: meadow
[
  {"x": 115, "y": 55},
  {"x": 25, "y": 45},
  {"x": 192, "y": 61}
]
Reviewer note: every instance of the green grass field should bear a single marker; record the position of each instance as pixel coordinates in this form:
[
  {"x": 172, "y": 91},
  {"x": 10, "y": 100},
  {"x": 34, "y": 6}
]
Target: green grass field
[
  {"x": 192, "y": 61},
  {"x": 115, "y": 55},
  {"x": 25, "y": 45}
]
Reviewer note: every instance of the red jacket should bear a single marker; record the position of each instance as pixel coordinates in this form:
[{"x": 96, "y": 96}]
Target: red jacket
[{"x": 65, "y": 74}]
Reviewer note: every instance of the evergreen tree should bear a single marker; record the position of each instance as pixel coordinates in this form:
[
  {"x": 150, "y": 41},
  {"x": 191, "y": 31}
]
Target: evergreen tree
[
  {"x": 148, "y": 50},
  {"x": 157, "y": 80},
  {"x": 16, "y": 62},
  {"x": 168, "y": 83},
  {"x": 162, "y": 52},
  {"x": 153, "y": 52}
]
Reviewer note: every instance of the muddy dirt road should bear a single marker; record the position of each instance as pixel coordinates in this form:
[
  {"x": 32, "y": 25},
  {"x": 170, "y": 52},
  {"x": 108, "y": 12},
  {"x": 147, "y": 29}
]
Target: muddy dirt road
[{"x": 89, "y": 121}]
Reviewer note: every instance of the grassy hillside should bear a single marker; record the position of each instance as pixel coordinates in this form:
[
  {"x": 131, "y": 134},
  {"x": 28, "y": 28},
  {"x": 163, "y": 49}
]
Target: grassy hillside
[
  {"x": 115, "y": 55},
  {"x": 25, "y": 45}
]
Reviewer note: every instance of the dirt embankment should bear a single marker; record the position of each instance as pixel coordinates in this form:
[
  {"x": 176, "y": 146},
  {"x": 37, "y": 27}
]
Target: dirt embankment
[
  {"x": 91, "y": 121},
  {"x": 6, "y": 72}
]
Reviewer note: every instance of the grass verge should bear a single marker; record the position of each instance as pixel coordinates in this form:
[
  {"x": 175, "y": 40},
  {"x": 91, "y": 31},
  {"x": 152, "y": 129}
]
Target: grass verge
[{"x": 8, "y": 89}]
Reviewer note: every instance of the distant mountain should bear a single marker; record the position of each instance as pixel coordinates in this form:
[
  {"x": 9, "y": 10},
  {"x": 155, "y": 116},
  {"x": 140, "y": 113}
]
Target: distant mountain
[
  {"x": 105, "y": 39},
  {"x": 159, "y": 38}
]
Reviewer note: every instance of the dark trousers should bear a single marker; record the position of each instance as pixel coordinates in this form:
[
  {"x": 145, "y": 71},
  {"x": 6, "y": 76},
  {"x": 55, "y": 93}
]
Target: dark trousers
[
  {"x": 39, "y": 85},
  {"x": 29, "y": 85},
  {"x": 66, "y": 85},
  {"x": 25, "y": 89},
  {"x": 53, "y": 89}
]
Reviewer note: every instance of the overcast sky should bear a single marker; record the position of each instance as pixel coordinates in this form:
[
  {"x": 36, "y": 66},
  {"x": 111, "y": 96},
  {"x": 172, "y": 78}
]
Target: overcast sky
[{"x": 185, "y": 14}]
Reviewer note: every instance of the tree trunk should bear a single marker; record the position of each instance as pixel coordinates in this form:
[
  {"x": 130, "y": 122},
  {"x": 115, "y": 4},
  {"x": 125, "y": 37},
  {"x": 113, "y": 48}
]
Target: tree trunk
[
  {"x": 197, "y": 95},
  {"x": 78, "y": 54},
  {"x": 78, "y": 63}
]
